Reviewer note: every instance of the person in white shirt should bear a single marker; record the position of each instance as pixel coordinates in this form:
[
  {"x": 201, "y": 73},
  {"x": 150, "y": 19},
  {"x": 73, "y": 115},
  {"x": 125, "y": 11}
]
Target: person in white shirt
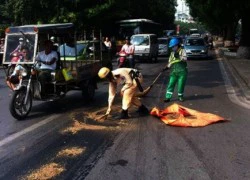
[
  {"x": 129, "y": 79},
  {"x": 48, "y": 59},
  {"x": 129, "y": 49},
  {"x": 107, "y": 43}
]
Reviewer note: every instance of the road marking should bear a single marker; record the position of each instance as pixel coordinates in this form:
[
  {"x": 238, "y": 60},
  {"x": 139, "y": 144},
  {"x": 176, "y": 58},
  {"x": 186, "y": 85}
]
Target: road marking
[
  {"x": 26, "y": 130},
  {"x": 230, "y": 90}
]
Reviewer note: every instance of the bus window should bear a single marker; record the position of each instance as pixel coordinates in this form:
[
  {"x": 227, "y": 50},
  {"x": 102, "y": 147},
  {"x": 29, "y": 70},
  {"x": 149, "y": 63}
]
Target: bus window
[
  {"x": 138, "y": 26},
  {"x": 129, "y": 27}
]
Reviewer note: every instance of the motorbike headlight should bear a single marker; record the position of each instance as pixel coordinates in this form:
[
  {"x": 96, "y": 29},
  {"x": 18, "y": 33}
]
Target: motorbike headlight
[{"x": 24, "y": 73}]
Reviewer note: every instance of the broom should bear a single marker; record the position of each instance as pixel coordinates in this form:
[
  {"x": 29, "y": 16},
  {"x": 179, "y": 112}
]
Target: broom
[{"x": 146, "y": 91}]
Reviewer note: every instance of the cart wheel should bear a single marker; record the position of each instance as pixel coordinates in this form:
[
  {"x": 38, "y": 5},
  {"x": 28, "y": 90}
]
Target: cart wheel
[{"x": 88, "y": 92}]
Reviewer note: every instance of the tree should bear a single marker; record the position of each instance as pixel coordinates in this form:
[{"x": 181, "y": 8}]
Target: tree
[
  {"x": 219, "y": 16},
  {"x": 98, "y": 14},
  {"x": 224, "y": 15}
]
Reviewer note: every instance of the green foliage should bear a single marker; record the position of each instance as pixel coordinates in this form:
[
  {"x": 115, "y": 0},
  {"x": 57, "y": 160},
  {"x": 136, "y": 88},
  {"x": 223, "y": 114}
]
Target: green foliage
[
  {"x": 184, "y": 27},
  {"x": 221, "y": 16},
  {"x": 87, "y": 13}
]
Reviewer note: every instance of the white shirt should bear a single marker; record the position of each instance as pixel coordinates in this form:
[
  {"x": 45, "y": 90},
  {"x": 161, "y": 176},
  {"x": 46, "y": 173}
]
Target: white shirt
[
  {"x": 41, "y": 56},
  {"x": 107, "y": 44}
]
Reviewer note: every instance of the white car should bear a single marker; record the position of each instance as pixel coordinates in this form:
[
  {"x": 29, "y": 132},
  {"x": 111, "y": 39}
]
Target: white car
[{"x": 146, "y": 46}]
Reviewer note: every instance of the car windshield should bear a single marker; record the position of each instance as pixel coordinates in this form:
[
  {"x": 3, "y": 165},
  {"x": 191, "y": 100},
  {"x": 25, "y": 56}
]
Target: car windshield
[
  {"x": 194, "y": 42},
  {"x": 70, "y": 51},
  {"x": 140, "y": 40},
  {"x": 162, "y": 41}
]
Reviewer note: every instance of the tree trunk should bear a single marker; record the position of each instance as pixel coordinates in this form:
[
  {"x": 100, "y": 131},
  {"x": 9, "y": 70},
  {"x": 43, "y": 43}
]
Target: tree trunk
[{"x": 244, "y": 49}]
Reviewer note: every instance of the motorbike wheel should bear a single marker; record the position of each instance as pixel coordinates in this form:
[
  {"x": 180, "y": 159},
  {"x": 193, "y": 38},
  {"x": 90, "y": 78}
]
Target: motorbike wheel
[{"x": 18, "y": 109}]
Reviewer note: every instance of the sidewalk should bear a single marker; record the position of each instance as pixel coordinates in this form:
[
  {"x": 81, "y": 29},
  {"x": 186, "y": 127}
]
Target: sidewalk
[{"x": 240, "y": 69}]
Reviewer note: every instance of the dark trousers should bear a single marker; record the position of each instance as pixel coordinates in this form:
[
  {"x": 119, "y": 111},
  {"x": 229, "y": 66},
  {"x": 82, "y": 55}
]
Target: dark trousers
[
  {"x": 44, "y": 77},
  {"x": 131, "y": 61}
]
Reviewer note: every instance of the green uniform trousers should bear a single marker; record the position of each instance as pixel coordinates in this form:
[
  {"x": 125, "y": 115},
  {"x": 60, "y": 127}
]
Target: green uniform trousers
[{"x": 177, "y": 75}]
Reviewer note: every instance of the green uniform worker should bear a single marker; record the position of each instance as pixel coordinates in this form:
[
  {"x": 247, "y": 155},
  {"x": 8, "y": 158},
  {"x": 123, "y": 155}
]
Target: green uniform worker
[{"x": 178, "y": 70}]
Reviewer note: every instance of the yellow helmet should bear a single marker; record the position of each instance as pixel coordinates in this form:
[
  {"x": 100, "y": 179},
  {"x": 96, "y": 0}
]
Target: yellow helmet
[{"x": 103, "y": 72}]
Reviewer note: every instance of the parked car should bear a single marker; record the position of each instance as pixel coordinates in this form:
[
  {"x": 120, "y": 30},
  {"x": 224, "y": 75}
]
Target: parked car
[
  {"x": 196, "y": 47},
  {"x": 163, "y": 46}
]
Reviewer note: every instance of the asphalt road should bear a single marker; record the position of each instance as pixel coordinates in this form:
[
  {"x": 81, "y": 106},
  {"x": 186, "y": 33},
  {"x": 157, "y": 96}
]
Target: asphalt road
[{"x": 137, "y": 148}]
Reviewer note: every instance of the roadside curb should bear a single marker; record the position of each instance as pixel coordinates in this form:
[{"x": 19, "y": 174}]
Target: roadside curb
[{"x": 240, "y": 80}]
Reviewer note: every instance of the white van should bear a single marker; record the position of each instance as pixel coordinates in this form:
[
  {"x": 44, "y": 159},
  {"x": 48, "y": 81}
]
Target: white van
[{"x": 146, "y": 46}]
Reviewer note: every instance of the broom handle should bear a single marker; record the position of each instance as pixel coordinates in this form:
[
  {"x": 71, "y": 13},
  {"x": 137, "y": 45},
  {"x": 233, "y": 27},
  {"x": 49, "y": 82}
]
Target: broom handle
[
  {"x": 156, "y": 78},
  {"x": 146, "y": 91}
]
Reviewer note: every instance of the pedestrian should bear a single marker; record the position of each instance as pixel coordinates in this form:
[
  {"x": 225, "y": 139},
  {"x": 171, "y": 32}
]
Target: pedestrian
[
  {"x": 107, "y": 62},
  {"x": 178, "y": 70},
  {"x": 130, "y": 79},
  {"x": 108, "y": 43}
]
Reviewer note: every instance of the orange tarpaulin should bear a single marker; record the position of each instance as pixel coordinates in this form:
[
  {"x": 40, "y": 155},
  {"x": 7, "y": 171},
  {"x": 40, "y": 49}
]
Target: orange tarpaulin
[{"x": 177, "y": 115}]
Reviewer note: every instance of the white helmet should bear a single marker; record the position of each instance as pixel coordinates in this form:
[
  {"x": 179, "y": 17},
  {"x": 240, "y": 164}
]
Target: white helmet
[{"x": 103, "y": 72}]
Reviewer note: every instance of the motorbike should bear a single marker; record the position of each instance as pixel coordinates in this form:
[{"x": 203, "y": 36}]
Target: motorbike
[
  {"x": 29, "y": 89},
  {"x": 122, "y": 59},
  {"x": 72, "y": 72},
  {"x": 210, "y": 45}
]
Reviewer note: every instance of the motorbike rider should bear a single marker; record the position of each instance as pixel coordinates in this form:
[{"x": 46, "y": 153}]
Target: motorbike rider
[
  {"x": 48, "y": 59},
  {"x": 129, "y": 78},
  {"x": 178, "y": 69},
  {"x": 14, "y": 78},
  {"x": 210, "y": 42},
  {"x": 129, "y": 49},
  {"x": 19, "y": 46}
]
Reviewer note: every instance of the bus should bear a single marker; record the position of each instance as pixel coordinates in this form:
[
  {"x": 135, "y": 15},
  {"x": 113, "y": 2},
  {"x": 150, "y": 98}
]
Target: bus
[{"x": 129, "y": 27}]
